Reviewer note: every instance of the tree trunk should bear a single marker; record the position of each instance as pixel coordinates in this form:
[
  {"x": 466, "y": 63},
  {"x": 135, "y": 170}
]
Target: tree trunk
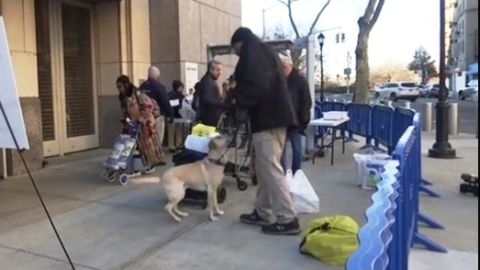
[{"x": 362, "y": 80}]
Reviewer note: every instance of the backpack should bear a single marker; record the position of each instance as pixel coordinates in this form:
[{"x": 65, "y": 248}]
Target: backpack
[{"x": 330, "y": 239}]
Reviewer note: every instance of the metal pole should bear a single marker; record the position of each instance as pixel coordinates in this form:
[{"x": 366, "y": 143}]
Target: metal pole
[
  {"x": 389, "y": 103},
  {"x": 427, "y": 117},
  {"x": 263, "y": 22},
  {"x": 310, "y": 143},
  {"x": 322, "y": 96},
  {"x": 442, "y": 148},
  {"x": 407, "y": 104},
  {"x": 453, "y": 119}
]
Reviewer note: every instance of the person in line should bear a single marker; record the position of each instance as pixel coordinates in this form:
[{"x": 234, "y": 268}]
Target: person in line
[
  {"x": 211, "y": 105},
  {"x": 302, "y": 103},
  {"x": 157, "y": 91},
  {"x": 138, "y": 106},
  {"x": 261, "y": 87},
  {"x": 175, "y": 129}
]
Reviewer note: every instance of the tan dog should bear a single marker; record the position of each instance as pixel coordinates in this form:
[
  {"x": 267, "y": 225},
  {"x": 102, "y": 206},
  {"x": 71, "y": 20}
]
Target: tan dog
[{"x": 206, "y": 174}]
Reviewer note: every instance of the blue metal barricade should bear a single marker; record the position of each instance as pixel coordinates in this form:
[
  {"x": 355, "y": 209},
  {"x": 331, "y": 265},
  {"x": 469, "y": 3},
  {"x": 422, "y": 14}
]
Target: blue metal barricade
[
  {"x": 360, "y": 122},
  {"x": 392, "y": 219},
  {"x": 403, "y": 118},
  {"x": 382, "y": 126},
  {"x": 333, "y": 106}
]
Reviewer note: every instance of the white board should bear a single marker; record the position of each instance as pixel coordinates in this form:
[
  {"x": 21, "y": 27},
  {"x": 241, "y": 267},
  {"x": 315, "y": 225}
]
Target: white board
[
  {"x": 191, "y": 75},
  {"x": 9, "y": 99}
]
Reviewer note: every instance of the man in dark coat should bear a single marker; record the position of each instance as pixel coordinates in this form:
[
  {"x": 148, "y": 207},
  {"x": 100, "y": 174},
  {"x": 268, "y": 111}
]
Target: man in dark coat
[
  {"x": 210, "y": 101},
  {"x": 262, "y": 89},
  {"x": 157, "y": 92},
  {"x": 302, "y": 103}
]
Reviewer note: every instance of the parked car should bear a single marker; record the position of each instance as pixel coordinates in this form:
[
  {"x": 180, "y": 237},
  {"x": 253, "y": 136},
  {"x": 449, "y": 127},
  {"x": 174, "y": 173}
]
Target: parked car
[
  {"x": 424, "y": 89},
  {"x": 470, "y": 91},
  {"x": 398, "y": 90}
]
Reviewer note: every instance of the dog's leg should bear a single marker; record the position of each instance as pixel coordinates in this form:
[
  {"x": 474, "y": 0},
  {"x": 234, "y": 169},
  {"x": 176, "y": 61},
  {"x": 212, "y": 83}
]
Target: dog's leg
[
  {"x": 211, "y": 203},
  {"x": 169, "y": 208},
  {"x": 215, "y": 202},
  {"x": 180, "y": 213}
]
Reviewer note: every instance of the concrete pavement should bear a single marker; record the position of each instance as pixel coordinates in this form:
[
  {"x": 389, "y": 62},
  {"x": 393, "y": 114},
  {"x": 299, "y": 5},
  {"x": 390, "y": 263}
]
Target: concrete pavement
[{"x": 108, "y": 226}]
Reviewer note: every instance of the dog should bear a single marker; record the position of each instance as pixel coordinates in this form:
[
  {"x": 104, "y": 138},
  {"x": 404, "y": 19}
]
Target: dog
[{"x": 206, "y": 174}]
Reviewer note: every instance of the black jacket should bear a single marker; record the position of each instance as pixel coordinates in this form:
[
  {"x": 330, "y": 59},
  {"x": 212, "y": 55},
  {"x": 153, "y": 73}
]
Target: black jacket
[
  {"x": 262, "y": 87},
  {"x": 176, "y": 95},
  {"x": 301, "y": 99},
  {"x": 157, "y": 91},
  {"x": 210, "y": 102}
]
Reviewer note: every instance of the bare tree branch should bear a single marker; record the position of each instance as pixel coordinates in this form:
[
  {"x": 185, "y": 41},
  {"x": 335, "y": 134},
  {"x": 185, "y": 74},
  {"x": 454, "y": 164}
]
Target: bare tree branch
[
  {"x": 290, "y": 16},
  {"x": 318, "y": 16},
  {"x": 283, "y": 2},
  {"x": 374, "y": 19},
  {"x": 369, "y": 10}
]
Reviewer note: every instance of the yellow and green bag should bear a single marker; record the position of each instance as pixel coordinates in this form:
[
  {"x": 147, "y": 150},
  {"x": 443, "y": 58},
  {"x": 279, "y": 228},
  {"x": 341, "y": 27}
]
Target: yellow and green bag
[
  {"x": 203, "y": 130},
  {"x": 330, "y": 239}
]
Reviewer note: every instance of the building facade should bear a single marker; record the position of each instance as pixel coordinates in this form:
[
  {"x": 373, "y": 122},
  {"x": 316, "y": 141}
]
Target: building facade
[
  {"x": 67, "y": 55},
  {"x": 463, "y": 35}
]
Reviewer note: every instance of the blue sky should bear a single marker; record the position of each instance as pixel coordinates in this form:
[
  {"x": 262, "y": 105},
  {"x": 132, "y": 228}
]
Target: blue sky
[{"x": 403, "y": 26}]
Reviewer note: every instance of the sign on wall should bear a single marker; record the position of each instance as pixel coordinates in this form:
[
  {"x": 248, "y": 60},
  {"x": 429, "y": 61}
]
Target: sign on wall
[
  {"x": 191, "y": 75},
  {"x": 9, "y": 99}
]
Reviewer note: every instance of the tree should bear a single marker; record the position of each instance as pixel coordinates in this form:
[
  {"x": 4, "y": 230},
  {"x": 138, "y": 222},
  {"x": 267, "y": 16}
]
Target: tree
[
  {"x": 298, "y": 57},
  {"x": 390, "y": 72},
  {"x": 423, "y": 65},
  {"x": 365, "y": 24}
]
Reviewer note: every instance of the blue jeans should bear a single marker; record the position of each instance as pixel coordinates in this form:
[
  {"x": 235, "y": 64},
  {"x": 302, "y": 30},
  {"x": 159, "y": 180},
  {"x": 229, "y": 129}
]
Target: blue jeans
[{"x": 295, "y": 138}]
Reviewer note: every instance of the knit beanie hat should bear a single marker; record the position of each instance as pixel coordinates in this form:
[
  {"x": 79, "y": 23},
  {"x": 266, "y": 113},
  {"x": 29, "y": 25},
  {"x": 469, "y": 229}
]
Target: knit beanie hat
[{"x": 243, "y": 34}]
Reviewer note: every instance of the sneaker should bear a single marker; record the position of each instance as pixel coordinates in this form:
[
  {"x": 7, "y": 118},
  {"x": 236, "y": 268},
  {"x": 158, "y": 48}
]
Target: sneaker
[
  {"x": 290, "y": 228},
  {"x": 253, "y": 219}
]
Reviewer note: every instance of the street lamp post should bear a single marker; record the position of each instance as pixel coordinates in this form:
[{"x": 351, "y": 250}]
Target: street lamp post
[
  {"x": 321, "y": 39},
  {"x": 442, "y": 148}
]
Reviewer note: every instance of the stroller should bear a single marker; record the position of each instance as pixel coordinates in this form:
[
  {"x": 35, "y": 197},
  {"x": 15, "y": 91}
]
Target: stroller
[{"x": 125, "y": 160}]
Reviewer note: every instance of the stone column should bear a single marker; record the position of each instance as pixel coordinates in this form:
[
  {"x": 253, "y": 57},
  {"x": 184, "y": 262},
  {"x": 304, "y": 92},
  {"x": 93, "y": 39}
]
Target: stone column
[{"x": 19, "y": 19}]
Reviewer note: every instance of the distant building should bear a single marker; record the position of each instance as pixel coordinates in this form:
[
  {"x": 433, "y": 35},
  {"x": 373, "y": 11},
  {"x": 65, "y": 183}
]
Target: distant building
[
  {"x": 67, "y": 54},
  {"x": 463, "y": 42}
]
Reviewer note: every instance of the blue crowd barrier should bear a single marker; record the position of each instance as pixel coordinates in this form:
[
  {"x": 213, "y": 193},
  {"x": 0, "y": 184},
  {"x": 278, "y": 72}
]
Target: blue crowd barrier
[
  {"x": 392, "y": 219},
  {"x": 360, "y": 122},
  {"x": 382, "y": 126},
  {"x": 329, "y": 106}
]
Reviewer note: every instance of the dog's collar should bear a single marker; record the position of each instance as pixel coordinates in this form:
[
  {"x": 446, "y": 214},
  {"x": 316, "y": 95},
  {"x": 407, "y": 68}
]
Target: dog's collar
[{"x": 216, "y": 162}]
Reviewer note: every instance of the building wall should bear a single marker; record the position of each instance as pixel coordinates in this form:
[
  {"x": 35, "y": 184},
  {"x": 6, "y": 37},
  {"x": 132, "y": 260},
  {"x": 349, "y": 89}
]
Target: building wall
[
  {"x": 187, "y": 27},
  {"x": 19, "y": 17},
  {"x": 465, "y": 34}
]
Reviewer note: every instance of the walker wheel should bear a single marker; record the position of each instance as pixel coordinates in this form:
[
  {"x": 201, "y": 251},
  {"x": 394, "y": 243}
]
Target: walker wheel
[
  {"x": 254, "y": 180},
  {"x": 110, "y": 175},
  {"x": 123, "y": 179},
  {"x": 221, "y": 194},
  {"x": 241, "y": 185}
]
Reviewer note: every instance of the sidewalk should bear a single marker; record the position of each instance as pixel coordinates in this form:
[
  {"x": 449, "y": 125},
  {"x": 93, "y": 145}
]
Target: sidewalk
[{"x": 108, "y": 226}]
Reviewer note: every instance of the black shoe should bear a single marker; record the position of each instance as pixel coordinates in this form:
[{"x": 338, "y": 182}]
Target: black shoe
[
  {"x": 291, "y": 228},
  {"x": 253, "y": 219}
]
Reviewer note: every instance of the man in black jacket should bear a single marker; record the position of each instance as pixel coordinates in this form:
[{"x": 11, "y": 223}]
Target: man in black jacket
[
  {"x": 210, "y": 101},
  {"x": 302, "y": 103},
  {"x": 158, "y": 92},
  {"x": 262, "y": 89}
]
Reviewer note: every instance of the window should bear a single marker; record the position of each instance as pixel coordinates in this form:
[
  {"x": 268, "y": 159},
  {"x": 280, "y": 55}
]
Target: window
[{"x": 408, "y": 85}]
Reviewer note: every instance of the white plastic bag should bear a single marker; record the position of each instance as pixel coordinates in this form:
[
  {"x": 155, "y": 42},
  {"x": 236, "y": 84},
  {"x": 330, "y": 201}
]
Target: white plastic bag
[
  {"x": 370, "y": 167},
  {"x": 186, "y": 111},
  {"x": 303, "y": 195}
]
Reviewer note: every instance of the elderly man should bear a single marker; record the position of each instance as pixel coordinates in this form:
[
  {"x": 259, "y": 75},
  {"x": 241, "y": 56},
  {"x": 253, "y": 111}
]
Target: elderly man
[
  {"x": 158, "y": 92},
  {"x": 302, "y": 102},
  {"x": 211, "y": 105},
  {"x": 262, "y": 89}
]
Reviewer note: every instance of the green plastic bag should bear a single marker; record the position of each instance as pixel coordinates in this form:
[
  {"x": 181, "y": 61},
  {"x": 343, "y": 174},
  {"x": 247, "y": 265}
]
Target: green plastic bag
[{"x": 330, "y": 239}]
